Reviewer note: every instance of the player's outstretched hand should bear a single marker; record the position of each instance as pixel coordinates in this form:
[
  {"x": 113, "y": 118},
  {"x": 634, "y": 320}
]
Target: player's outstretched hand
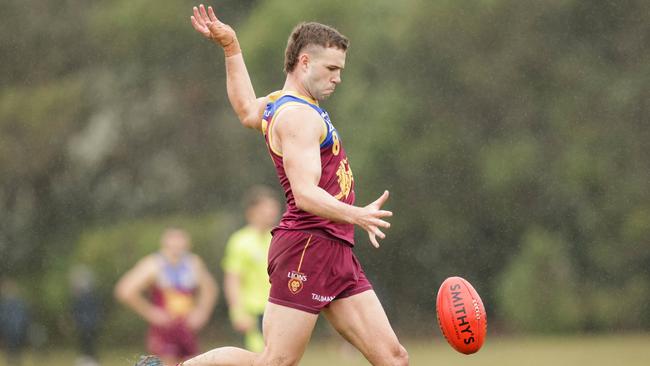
[
  {"x": 207, "y": 23},
  {"x": 371, "y": 219}
]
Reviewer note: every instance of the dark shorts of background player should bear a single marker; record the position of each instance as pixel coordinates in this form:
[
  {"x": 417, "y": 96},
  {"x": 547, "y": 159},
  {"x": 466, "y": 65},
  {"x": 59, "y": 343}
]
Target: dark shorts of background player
[
  {"x": 176, "y": 341},
  {"x": 308, "y": 270}
]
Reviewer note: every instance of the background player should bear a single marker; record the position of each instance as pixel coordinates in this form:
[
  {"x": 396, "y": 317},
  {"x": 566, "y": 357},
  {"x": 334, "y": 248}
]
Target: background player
[
  {"x": 246, "y": 283},
  {"x": 183, "y": 294}
]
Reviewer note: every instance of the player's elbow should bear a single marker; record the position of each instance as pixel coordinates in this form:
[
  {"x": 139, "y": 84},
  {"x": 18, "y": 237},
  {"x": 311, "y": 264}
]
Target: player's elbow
[
  {"x": 122, "y": 293},
  {"x": 212, "y": 290},
  {"x": 301, "y": 200},
  {"x": 250, "y": 118},
  {"x": 249, "y": 122}
]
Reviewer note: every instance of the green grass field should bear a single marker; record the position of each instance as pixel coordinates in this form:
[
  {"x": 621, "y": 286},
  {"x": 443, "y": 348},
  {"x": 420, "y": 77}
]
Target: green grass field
[{"x": 530, "y": 351}]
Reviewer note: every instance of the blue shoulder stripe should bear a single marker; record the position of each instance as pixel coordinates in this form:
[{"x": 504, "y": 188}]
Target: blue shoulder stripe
[{"x": 326, "y": 119}]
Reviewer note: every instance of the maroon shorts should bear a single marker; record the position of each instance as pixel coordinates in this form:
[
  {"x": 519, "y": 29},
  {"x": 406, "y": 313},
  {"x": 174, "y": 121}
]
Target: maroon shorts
[
  {"x": 308, "y": 271},
  {"x": 176, "y": 341}
]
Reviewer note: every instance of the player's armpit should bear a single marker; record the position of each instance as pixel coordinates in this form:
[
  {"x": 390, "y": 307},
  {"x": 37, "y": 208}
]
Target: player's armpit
[{"x": 253, "y": 118}]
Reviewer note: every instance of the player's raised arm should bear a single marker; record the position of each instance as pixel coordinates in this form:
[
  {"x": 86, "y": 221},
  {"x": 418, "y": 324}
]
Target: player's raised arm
[{"x": 241, "y": 94}]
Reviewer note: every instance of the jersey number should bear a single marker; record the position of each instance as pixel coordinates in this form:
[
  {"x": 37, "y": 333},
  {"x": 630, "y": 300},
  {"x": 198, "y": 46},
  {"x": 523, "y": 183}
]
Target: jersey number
[{"x": 336, "y": 144}]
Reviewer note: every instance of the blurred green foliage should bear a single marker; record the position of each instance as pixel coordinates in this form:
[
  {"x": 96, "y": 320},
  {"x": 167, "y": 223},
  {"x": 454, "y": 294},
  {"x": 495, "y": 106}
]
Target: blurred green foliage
[{"x": 511, "y": 134}]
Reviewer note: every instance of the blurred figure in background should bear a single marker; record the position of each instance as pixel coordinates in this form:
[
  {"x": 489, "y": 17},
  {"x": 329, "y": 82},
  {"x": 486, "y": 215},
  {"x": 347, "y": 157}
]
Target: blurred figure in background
[
  {"x": 246, "y": 282},
  {"x": 86, "y": 313},
  {"x": 14, "y": 321},
  {"x": 183, "y": 295}
]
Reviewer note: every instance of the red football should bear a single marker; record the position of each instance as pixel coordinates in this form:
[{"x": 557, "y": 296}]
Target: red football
[{"x": 461, "y": 315}]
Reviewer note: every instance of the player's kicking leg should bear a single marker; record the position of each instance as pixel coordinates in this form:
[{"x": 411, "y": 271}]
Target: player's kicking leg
[
  {"x": 362, "y": 321},
  {"x": 286, "y": 334}
]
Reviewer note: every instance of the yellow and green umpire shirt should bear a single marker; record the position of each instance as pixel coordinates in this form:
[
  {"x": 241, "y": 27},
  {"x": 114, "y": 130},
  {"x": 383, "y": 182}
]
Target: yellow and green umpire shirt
[{"x": 246, "y": 255}]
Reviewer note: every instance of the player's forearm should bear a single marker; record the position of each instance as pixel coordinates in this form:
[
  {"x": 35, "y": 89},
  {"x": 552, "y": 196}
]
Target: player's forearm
[
  {"x": 317, "y": 201},
  {"x": 207, "y": 298},
  {"x": 240, "y": 90},
  {"x": 139, "y": 305},
  {"x": 231, "y": 285}
]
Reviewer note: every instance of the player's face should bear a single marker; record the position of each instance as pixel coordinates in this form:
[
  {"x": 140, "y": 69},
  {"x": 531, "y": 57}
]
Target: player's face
[
  {"x": 264, "y": 213},
  {"x": 324, "y": 71},
  {"x": 176, "y": 243}
]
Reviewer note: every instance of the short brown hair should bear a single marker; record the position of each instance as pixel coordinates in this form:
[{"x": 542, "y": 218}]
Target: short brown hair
[{"x": 311, "y": 33}]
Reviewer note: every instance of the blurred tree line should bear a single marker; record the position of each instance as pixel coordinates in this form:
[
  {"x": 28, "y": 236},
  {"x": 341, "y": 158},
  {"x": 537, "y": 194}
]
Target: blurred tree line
[{"x": 511, "y": 134}]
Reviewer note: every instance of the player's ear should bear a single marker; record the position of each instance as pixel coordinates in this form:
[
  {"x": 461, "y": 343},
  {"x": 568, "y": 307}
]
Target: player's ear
[{"x": 303, "y": 60}]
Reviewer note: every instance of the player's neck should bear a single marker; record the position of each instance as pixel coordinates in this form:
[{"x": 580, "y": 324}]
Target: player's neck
[
  {"x": 294, "y": 86},
  {"x": 172, "y": 258}
]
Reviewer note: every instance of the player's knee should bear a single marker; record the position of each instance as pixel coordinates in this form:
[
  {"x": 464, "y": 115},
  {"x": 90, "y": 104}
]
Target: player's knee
[
  {"x": 399, "y": 356},
  {"x": 390, "y": 355},
  {"x": 278, "y": 360}
]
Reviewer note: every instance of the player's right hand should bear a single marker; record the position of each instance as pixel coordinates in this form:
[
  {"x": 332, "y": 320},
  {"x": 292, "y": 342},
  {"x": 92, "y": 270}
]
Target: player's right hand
[
  {"x": 244, "y": 323},
  {"x": 207, "y": 23},
  {"x": 371, "y": 219}
]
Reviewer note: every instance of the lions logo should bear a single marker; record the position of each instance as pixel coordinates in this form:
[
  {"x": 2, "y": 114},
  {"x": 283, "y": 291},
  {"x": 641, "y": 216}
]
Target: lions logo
[
  {"x": 295, "y": 286},
  {"x": 295, "y": 281},
  {"x": 345, "y": 178}
]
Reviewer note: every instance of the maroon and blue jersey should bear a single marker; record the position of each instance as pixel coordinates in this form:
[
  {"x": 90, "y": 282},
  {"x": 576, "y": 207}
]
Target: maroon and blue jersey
[
  {"x": 175, "y": 286},
  {"x": 336, "y": 175}
]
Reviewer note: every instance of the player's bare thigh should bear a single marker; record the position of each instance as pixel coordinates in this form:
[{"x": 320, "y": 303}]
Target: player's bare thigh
[
  {"x": 362, "y": 321},
  {"x": 286, "y": 334}
]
